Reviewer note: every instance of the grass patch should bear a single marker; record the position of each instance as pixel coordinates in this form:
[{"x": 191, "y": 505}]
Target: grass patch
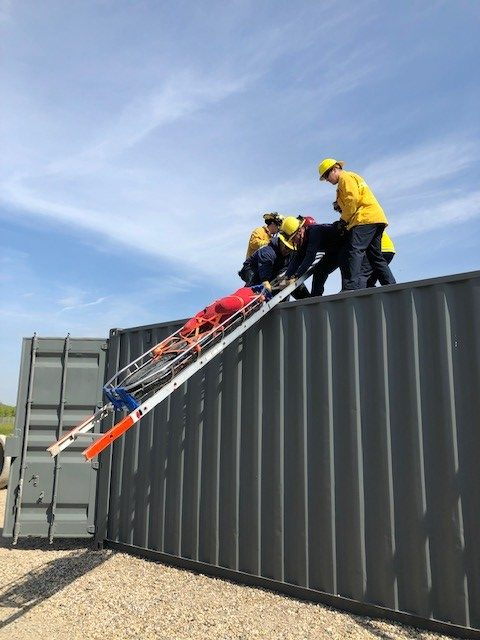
[{"x": 6, "y": 428}]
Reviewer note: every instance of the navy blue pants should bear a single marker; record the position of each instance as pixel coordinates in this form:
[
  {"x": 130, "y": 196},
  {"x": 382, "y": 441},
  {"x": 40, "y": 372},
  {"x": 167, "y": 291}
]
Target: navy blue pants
[
  {"x": 326, "y": 265},
  {"x": 248, "y": 275},
  {"x": 368, "y": 271},
  {"x": 363, "y": 240}
]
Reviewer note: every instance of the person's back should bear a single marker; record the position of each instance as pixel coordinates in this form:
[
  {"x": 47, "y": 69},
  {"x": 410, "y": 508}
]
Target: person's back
[
  {"x": 317, "y": 237},
  {"x": 357, "y": 202},
  {"x": 258, "y": 238}
]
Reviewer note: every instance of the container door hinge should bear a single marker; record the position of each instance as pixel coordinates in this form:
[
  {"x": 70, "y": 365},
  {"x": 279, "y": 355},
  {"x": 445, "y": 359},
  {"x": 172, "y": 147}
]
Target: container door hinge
[
  {"x": 91, "y": 528},
  {"x": 95, "y": 464}
]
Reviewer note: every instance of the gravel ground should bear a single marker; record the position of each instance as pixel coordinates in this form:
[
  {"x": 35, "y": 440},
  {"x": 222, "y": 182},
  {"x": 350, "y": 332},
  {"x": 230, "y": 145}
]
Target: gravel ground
[{"x": 68, "y": 590}]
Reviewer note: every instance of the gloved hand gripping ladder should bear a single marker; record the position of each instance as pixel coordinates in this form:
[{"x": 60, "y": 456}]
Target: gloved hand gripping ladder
[{"x": 144, "y": 383}]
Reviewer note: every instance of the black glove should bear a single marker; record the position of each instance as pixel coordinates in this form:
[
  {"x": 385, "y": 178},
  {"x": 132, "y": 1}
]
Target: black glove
[
  {"x": 301, "y": 293},
  {"x": 336, "y": 206},
  {"x": 340, "y": 227}
]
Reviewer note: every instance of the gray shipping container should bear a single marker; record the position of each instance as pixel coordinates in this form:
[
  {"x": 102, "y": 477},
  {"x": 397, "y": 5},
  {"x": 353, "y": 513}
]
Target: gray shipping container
[
  {"x": 60, "y": 384},
  {"x": 333, "y": 449},
  {"x": 331, "y": 453}
]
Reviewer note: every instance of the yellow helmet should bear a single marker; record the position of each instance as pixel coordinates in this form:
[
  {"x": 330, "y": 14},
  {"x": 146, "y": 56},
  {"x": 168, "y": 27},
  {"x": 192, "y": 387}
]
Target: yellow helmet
[
  {"x": 327, "y": 164},
  {"x": 289, "y": 228}
]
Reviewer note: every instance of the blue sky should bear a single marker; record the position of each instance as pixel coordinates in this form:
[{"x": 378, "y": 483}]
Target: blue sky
[{"x": 142, "y": 140}]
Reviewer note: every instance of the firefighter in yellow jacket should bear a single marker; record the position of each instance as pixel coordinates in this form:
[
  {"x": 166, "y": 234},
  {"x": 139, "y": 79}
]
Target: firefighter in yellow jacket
[
  {"x": 261, "y": 236},
  {"x": 365, "y": 222}
]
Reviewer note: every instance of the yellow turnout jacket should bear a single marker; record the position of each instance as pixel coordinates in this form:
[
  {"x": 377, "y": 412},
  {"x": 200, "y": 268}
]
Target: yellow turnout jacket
[
  {"x": 259, "y": 238},
  {"x": 387, "y": 243},
  {"x": 357, "y": 202}
]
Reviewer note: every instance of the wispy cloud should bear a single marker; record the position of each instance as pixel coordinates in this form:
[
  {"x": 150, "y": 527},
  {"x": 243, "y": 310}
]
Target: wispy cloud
[
  {"x": 84, "y": 305},
  {"x": 422, "y": 165},
  {"x": 96, "y": 189},
  {"x": 442, "y": 216},
  {"x": 411, "y": 186},
  {"x": 423, "y": 187},
  {"x": 181, "y": 96}
]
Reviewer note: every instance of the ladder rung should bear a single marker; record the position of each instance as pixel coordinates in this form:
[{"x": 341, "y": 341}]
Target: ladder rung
[{"x": 90, "y": 436}]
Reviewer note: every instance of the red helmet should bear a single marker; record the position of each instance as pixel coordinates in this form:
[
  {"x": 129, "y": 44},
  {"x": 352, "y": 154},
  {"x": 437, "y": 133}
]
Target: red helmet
[{"x": 307, "y": 220}]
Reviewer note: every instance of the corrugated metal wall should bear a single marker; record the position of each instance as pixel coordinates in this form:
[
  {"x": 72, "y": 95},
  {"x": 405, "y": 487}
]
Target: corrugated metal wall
[
  {"x": 60, "y": 384},
  {"x": 335, "y": 446}
]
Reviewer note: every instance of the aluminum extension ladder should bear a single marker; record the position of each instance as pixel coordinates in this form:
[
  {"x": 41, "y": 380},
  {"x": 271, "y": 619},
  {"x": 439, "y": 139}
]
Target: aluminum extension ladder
[{"x": 119, "y": 399}]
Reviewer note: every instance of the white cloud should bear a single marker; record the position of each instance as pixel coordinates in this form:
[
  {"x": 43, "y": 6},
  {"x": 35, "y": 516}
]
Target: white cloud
[
  {"x": 53, "y": 308},
  {"x": 143, "y": 207},
  {"x": 441, "y": 216},
  {"x": 419, "y": 168},
  {"x": 411, "y": 186},
  {"x": 76, "y": 306},
  {"x": 179, "y": 97}
]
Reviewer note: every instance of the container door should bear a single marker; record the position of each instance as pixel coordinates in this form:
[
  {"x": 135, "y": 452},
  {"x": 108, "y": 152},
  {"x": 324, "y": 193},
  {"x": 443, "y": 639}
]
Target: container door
[{"x": 60, "y": 384}]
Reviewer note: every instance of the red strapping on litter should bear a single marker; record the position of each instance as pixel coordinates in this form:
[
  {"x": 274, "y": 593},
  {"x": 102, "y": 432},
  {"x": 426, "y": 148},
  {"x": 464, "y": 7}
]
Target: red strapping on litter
[{"x": 208, "y": 320}]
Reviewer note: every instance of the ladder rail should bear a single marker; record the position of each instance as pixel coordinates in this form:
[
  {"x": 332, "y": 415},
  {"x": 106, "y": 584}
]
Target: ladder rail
[{"x": 147, "y": 405}]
